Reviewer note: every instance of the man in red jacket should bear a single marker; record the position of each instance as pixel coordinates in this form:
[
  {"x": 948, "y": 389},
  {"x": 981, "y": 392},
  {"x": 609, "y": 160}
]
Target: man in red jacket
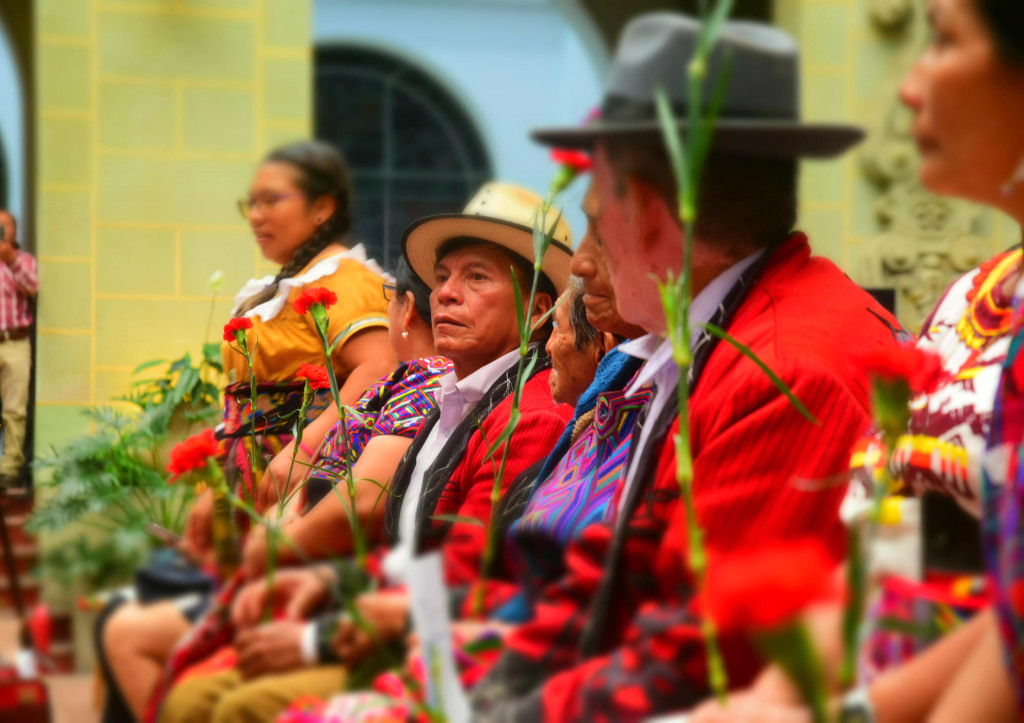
[
  {"x": 447, "y": 472},
  {"x": 618, "y": 637}
]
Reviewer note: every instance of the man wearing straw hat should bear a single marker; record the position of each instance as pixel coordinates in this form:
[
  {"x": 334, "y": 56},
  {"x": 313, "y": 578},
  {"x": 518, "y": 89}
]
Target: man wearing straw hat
[
  {"x": 619, "y": 636},
  {"x": 466, "y": 260}
]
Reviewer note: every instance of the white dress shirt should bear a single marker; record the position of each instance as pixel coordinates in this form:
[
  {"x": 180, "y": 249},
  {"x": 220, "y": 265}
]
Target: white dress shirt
[
  {"x": 455, "y": 398},
  {"x": 661, "y": 367}
]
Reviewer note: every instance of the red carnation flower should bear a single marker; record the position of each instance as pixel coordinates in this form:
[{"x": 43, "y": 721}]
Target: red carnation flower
[
  {"x": 767, "y": 587},
  {"x": 192, "y": 454},
  {"x": 579, "y": 161},
  {"x": 310, "y": 297},
  {"x": 315, "y": 375},
  {"x": 235, "y": 325},
  {"x": 921, "y": 369}
]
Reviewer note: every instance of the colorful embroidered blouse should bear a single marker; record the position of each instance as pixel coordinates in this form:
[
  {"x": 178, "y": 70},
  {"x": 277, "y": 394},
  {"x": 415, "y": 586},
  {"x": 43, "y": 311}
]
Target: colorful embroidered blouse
[
  {"x": 944, "y": 445},
  {"x": 578, "y": 492},
  {"x": 943, "y": 450},
  {"x": 395, "y": 405},
  {"x": 287, "y": 339},
  {"x": 1003, "y": 492}
]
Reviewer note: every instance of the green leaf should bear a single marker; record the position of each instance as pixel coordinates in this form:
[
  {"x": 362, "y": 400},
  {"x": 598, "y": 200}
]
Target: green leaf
[
  {"x": 520, "y": 309},
  {"x": 183, "y": 363},
  {"x": 547, "y": 314},
  {"x": 673, "y": 139},
  {"x": 542, "y": 237},
  {"x": 523, "y": 379},
  {"x": 458, "y": 518},
  {"x": 188, "y": 378},
  {"x": 702, "y": 142},
  {"x": 506, "y": 433},
  {"x": 713, "y": 27},
  {"x": 779, "y": 384},
  {"x": 148, "y": 365},
  {"x": 211, "y": 354}
]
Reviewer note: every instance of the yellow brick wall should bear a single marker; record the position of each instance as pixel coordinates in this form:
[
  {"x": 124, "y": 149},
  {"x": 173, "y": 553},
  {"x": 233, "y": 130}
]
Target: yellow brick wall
[{"x": 152, "y": 115}]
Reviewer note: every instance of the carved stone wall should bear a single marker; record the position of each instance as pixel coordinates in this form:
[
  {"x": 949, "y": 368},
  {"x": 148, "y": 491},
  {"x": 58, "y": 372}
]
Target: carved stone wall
[
  {"x": 927, "y": 241},
  {"x": 868, "y": 212}
]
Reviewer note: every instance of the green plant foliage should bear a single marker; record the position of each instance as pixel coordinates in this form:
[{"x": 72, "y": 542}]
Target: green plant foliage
[{"x": 112, "y": 482}]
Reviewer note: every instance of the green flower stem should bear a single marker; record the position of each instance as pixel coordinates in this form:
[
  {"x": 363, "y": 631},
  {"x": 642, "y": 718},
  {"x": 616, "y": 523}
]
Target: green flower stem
[
  {"x": 542, "y": 240},
  {"x": 307, "y": 398},
  {"x": 225, "y": 534},
  {"x": 243, "y": 347},
  {"x": 319, "y": 314},
  {"x": 490, "y": 536},
  {"x": 853, "y": 611},
  {"x": 268, "y": 612},
  {"x": 206, "y": 337},
  {"x": 891, "y": 404},
  {"x": 676, "y": 293},
  {"x": 675, "y": 301},
  {"x": 435, "y": 673}
]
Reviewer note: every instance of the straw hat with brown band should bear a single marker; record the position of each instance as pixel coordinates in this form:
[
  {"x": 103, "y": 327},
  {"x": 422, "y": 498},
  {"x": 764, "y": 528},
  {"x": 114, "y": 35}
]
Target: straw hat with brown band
[{"x": 500, "y": 213}]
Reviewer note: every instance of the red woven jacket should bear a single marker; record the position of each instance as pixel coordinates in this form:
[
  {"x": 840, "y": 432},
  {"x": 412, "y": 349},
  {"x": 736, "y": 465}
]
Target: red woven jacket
[{"x": 761, "y": 472}]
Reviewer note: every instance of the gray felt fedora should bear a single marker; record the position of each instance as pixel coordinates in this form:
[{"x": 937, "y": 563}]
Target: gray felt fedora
[{"x": 761, "y": 110}]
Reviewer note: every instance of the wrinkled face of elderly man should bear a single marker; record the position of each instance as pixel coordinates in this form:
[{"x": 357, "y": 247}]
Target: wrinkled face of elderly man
[{"x": 473, "y": 304}]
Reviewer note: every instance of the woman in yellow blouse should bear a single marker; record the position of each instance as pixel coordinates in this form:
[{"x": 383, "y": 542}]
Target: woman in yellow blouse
[{"x": 299, "y": 210}]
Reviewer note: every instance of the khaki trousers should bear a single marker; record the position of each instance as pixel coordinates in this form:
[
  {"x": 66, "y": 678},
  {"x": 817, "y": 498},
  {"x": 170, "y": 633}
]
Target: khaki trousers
[
  {"x": 226, "y": 698},
  {"x": 15, "y": 373}
]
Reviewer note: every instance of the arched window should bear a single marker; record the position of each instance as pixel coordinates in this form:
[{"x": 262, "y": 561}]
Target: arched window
[{"x": 412, "y": 148}]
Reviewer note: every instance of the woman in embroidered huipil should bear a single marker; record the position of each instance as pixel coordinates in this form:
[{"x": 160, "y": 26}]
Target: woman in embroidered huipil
[
  {"x": 966, "y": 95},
  {"x": 942, "y": 451},
  {"x": 299, "y": 210}
]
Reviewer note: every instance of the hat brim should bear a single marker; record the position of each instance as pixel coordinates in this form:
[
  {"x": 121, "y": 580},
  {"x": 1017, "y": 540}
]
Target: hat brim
[
  {"x": 424, "y": 237},
  {"x": 754, "y": 137}
]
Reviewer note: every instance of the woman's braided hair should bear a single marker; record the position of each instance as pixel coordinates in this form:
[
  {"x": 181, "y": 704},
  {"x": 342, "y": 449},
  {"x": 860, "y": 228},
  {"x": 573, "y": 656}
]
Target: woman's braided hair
[{"x": 322, "y": 172}]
